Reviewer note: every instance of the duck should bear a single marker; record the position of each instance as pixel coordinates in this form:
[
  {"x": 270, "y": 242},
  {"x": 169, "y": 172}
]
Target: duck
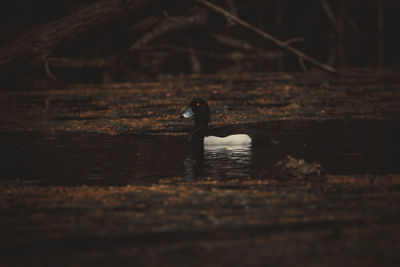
[{"x": 205, "y": 136}]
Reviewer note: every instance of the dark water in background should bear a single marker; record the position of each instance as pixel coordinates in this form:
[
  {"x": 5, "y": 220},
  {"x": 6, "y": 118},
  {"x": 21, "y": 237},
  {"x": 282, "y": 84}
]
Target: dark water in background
[{"x": 342, "y": 147}]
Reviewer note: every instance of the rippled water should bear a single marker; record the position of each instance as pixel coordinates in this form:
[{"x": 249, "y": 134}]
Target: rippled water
[{"x": 347, "y": 147}]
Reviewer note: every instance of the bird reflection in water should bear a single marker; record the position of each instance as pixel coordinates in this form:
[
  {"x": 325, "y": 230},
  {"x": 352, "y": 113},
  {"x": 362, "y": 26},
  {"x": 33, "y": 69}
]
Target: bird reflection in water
[{"x": 224, "y": 162}]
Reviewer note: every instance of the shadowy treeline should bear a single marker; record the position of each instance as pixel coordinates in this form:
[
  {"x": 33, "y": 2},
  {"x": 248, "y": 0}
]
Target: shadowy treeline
[{"x": 117, "y": 40}]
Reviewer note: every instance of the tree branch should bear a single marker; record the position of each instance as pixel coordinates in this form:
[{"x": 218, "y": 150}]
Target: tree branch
[
  {"x": 240, "y": 44},
  {"x": 267, "y": 36},
  {"x": 197, "y": 17},
  {"x": 44, "y": 39},
  {"x": 79, "y": 63}
]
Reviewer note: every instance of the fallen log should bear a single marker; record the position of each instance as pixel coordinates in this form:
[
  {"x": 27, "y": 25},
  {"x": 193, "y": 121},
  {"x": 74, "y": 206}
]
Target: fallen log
[{"x": 38, "y": 44}]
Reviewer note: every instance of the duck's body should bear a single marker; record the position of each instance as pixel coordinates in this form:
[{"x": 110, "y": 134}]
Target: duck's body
[
  {"x": 230, "y": 140},
  {"x": 205, "y": 136}
]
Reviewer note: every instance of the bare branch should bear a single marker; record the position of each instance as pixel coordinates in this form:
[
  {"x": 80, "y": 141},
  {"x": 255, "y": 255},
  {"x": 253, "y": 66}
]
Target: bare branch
[
  {"x": 48, "y": 71},
  {"x": 168, "y": 24},
  {"x": 183, "y": 50},
  {"x": 295, "y": 40},
  {"x": 232, "y": 7},
  {"x": 302, "y": 65},
  {"x": 240, "y": 44},
  {"x": 230, "y": 41},
  {"x": 42, "y": 40},
  {"x": 329, "y": 13},
  {"x": 78, "y": 63},
  {"x": 381, "y": 45},
  {"x": 267, "y": 36}
]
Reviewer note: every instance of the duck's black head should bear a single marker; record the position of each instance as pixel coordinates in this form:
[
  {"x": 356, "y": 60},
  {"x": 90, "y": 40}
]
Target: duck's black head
[{"x": 200, "y": 110}]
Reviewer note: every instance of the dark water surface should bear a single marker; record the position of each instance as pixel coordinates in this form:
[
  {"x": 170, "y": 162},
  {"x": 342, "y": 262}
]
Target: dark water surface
[{"x": 342, "y": 147}]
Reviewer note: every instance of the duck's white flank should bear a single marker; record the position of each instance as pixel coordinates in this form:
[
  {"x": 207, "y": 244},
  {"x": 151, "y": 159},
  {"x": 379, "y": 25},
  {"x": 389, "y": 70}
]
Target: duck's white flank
[{"x": 231, "y": 140}]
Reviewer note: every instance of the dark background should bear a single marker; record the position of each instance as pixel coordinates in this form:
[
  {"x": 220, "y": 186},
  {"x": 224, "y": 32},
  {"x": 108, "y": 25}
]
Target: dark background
[{"x": 285, "y": 19}]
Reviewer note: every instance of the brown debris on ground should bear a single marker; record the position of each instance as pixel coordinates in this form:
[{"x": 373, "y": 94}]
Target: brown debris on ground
[
  {"x": 344, "y": 221},
  {"x": 153, "y": 107}
]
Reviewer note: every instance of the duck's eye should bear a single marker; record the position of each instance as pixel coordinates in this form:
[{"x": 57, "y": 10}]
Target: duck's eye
[{"x": 198, "y": 104}]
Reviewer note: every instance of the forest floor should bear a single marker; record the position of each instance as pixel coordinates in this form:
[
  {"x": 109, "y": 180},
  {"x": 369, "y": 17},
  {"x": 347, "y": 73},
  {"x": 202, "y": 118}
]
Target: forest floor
[{"x": 348, "y": 220}]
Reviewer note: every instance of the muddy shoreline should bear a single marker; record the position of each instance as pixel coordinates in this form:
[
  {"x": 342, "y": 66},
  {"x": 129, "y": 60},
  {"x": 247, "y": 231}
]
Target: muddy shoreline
[
  {"x": 154, "y": 107},
  {"x": 351, "y": 220}
]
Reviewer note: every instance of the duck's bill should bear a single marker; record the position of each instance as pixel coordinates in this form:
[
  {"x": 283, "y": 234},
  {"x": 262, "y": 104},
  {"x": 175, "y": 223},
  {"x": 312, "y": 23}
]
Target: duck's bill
[{"x": 188, "y": 113}]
